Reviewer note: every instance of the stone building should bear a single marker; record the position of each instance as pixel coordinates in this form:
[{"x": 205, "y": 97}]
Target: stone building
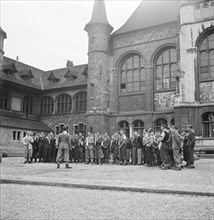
[{"x": 157, "y": 68}]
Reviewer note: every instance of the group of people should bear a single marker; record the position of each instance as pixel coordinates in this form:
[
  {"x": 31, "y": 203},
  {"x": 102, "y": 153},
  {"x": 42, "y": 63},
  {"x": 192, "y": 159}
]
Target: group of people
[{"x": 163, "y": 149}]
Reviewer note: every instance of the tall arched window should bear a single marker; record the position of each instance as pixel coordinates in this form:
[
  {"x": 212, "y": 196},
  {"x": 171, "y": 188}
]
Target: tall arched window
[
  {"x": 208, "y": 124},
  {"x": 158, "y": 124},
  {"x": 4, "y": 100},
  {"x": 125, "y": 126},
  {"x": 80, "y": 102},
  {"x": 132, "y": 74},
  {"x": 46, "y": 105},
  {"x": 28, "y": 105},
  {"x": 165, "y": 67},
  {"x": 138, "y": 125},
  {"x": 206, "y": 56},
  {"x": 64, "y": 103}
]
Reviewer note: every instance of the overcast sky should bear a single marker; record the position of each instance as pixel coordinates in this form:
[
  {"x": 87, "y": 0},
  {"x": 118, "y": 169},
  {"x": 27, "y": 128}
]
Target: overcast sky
[{"x": 45, "y": 34}]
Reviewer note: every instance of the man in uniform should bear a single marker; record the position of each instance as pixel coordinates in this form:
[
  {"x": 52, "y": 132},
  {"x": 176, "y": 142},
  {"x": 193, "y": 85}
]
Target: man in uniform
[{"x": 63, "y": 151}]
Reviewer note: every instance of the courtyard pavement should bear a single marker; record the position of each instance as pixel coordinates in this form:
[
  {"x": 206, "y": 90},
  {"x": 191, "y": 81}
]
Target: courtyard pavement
[{"x": 198, "y": 181}]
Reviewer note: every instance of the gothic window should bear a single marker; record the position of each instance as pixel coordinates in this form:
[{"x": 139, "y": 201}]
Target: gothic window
[
  {"x": 206, "y": 56},
  {"x": 208, "y": 124},
  {"x": 138, "y": 125},
  {"x": 80, "y": 102},
  {"x": 132, "y": 74},
  {"x": 80, "y": 128},
  {"x": 124, "y": 125},
  {"x": 28, "y": 105},
  {"x": 46, "y": 105},
  {"x": 64, "y": 104},
  {"x": 4, "y": 100},
  {"x": 165, "y": 67},
  {"x": 172, "y": 122},
  {"x": 158, "y": 124}
]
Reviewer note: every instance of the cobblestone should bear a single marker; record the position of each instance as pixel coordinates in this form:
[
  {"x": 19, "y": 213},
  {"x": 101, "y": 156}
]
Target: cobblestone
[
  {"x": 40, "y": 202},
  {"x": 200, "y": 179}
]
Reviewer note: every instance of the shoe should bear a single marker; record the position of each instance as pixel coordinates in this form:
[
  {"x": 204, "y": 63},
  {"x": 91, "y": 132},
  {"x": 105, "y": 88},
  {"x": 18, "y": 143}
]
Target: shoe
[
  {"x": 164, "y": 168},
  {"x": 191, "y": 166},
  {"x": 176, "y": 168},
  {"x": 25, "y": 162},
  {"x": 67, "y": 166}
]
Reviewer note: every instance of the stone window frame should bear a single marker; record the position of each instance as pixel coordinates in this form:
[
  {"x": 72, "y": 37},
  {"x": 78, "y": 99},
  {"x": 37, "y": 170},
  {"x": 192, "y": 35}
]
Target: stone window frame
[
  {"x": 133, "y": 75},
  {"x": 77, "y": 129},
  {"x": 124, "y": 125},
  {"x": 4, "y": 99},
  {"x": 80, "y": 102},
  {"x": 63, "y": 103},
  {"x": 139, "y": 127},
  {"x": 202, "y": 38},
  {"x": 58, "y": 128},
  {"x": 28, "y": 105},
  {"x": 16, "y": 135},
  {"x": 159, "y": 57},
  {"x": 46, "y": 105},
  {"x": 160, "y": 121},
  {"x": 208, "y": 125}
]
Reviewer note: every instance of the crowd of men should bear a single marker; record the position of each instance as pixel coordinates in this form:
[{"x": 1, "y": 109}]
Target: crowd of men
[{"x": 165, "y": 149}]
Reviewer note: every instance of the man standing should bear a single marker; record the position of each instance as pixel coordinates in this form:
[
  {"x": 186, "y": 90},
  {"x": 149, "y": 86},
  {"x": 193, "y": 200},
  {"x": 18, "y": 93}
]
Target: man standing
[
  {"x": 190, "y": 146},
  {"x": 63, "y": 151},
  {"x": 28, "y": 149},
  {"x": 164, "y": 149},
  {"x": 139, "y": 145},
  {"x": 176, "y": 147}
]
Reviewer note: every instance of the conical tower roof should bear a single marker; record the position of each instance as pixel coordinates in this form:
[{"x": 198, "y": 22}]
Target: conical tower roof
[{"x": 99, "y": 14}]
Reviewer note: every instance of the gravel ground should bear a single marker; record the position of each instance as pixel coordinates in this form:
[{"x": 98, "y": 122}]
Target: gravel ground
[{"x": 40, "y": 202}]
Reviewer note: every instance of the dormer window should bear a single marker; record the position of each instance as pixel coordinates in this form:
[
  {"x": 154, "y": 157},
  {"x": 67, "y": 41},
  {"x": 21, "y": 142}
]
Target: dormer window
[
  {"x": 9, "y": 68},
  {"x": 52, "y": 78},
  {"x": 71, "y": 75},
  {"x": 26, "y": 74}
]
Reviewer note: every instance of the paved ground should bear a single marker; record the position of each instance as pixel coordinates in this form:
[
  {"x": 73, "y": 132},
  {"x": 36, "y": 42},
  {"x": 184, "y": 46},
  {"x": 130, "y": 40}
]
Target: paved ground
[
  {"x": 45, "y": 202},
  {"x": 200, "y": 179}
]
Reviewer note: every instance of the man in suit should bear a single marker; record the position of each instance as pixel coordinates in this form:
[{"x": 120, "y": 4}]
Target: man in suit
[
  {"x": 41, "y": 143},
  {"x": 191, "y": 146},
  {"x": 64, "y": 146}
]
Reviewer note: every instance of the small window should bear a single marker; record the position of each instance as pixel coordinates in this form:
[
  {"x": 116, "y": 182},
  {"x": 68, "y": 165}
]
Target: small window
[
  {"x": 125, "y": 126},
  {"x": 158, "y": 124},
  {"x": 208, "y": 124}
]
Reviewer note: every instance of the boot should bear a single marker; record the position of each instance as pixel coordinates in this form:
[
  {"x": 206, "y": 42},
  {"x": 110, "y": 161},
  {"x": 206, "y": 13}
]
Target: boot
[
  {"x": 58, "y": 166},
  {"x": 67, "y": 166}
]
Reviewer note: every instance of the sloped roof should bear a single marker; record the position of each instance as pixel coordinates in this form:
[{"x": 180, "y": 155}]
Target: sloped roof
[
  {"x": 25, "y": 124},
  {"x": 44, "y": 79},
  {"x": 22, "y": 69},
  {"x": 151, "y": 13},
  {"x": 77, "y": 71}
]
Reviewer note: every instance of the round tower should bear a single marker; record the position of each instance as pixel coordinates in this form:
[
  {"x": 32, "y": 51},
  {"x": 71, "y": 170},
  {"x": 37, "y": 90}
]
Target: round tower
[
  {"x": 3, "y": 36},
  {"x": 98, "y": 30}
]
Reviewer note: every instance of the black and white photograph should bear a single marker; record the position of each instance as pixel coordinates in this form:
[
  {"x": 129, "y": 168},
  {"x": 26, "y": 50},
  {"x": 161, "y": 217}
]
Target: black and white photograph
[{"x": 107, "y": 109}]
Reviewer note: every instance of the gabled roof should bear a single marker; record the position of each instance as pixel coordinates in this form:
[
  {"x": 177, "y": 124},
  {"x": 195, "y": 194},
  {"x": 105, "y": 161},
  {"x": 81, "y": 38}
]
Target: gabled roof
[{"x": 151, "y": 13}]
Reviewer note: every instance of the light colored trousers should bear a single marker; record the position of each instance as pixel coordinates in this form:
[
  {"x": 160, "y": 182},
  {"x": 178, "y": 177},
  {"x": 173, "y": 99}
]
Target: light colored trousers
[{"x": 139, "y": 156}]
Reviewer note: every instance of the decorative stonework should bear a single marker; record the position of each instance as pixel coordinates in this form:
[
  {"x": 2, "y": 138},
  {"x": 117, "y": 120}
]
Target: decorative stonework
[
  {"x": 207, "y": 92},
  {"x": 164, "y": 100},
  {"x": 146, "y": 36},
  {"x": 132, "y": 103}
]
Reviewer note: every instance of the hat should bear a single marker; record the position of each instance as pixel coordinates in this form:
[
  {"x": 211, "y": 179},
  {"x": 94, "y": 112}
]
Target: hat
[{"x": 150, "y": 130}]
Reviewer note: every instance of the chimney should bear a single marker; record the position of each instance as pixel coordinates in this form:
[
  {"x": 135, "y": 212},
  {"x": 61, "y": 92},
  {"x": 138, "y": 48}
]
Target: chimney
[{"x": 69, "y": 64}]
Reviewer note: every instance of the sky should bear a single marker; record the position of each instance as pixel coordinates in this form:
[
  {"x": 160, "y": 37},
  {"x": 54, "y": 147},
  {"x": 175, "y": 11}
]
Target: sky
[{"x": 45, "y": 34}]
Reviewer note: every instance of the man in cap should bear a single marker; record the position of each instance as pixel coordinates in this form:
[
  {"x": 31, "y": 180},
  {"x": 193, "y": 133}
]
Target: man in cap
[{"x": 64, "y": 146}]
